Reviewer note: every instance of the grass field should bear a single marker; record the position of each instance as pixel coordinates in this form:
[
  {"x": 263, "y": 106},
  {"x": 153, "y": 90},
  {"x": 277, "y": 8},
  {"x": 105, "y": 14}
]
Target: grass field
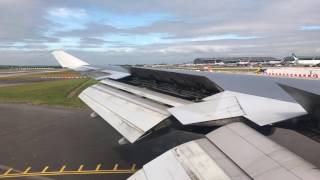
[
  {"x": 237, "y": 69},
  {"x": 53, "y": 93}
]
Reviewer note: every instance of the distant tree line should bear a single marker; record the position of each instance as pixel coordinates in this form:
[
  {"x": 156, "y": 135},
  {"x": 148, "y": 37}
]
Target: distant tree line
[{"x": 29, "y": 67}]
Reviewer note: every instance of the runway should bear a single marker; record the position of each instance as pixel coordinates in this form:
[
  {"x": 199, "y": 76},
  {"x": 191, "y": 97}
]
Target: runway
[
  {"x": 14, "y": 73},
  {"x": 38, "y": 136}
]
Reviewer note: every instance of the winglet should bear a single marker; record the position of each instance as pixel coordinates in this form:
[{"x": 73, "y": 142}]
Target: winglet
[
  {"x": 309, "y": 101},
  {"x": 68, "y": 61}
]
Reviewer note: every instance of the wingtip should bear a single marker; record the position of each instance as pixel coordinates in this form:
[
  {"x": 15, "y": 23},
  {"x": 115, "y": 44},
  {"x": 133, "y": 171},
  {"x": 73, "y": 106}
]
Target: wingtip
[
  {"x": 68, "y": 61},
  {"x": 56, "y": 51}
]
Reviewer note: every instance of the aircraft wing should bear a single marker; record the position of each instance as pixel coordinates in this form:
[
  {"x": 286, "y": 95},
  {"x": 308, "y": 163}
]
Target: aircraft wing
[
  {"x": 234, "y": 151},
  {"x": 143, "y": 100}
]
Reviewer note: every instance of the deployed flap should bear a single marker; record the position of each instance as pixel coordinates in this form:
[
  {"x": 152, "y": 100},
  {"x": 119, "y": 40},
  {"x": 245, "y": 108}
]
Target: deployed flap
[
  {"x": 221, "y": 108},
  {"x": 261, "y": 110},
  {"x": 228, "y": 104},
  {"x": 233, "y": 151},
  {"x": 132, "y": 116}
]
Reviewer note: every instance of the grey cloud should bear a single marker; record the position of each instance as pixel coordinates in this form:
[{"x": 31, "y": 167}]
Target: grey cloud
[
  {"x": 20, "y": 20},
  {"x": 92, "y": 41},
  {"x": 276, "y": 22},
  {"x": 96, "y": 42},
  {"x": 92, "y": 30}
]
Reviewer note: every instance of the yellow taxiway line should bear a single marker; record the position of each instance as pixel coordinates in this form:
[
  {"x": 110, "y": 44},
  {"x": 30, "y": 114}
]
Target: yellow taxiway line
[{"x": 44, "y": 172}]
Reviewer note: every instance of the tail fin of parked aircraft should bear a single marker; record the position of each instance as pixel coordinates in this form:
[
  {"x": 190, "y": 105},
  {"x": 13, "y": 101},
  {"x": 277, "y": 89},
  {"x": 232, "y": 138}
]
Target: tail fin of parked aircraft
[
  {"x": 68, "y": 61},
  {"x": 294, "y": 57}
]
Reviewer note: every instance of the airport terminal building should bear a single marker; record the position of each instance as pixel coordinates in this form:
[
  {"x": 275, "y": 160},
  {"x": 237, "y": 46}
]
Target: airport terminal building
[{"x": 230, "y": 60}]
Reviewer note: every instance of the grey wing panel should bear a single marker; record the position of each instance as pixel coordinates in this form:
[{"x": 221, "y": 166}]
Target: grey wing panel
[
  {"x": 188, "y": 161},
  {"x": 260, "y": 157},
  {"x": 132, "y": 116},
  {"x": 234, "y": 152},
  {"x": 261, "y": 110},
  {"x": 210, "y": 110},
  {"x": 228, "y": 104}
]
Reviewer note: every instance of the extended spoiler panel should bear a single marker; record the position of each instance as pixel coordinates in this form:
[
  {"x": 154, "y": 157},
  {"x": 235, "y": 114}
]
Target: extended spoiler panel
[{"x": 149, "y": 94}]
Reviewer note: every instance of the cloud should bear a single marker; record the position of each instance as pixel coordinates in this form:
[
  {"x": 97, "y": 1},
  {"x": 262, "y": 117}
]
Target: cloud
[
  {"x": 310, "y": 28},
  {"x": 156, "y": 31},
  {"x": 163, "y": 38},
  {"x": 195, "y": 49},
  {"x": 65, "y": 42},
  {"x": 68, "y": 19},
  {"x": 67, "y": 13},
  {"x": 216, "y": 38}
]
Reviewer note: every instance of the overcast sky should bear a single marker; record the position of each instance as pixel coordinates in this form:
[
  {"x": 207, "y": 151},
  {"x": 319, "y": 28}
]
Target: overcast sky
[{"x": 155, "y": 31}]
